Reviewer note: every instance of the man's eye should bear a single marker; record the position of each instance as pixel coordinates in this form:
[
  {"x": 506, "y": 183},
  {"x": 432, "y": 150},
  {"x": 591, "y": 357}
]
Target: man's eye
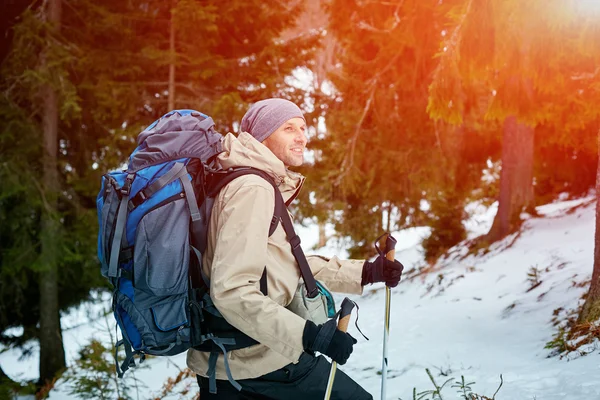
[{"x": 289, "y": 128}]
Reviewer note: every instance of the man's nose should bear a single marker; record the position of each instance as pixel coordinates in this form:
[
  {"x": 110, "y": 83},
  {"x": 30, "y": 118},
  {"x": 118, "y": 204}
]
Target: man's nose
[{"x": 301, "y": 137}]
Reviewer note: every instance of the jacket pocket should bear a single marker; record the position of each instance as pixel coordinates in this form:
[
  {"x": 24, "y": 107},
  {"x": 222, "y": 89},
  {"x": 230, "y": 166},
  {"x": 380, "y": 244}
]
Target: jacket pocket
[{"x": 162, "y": 251}]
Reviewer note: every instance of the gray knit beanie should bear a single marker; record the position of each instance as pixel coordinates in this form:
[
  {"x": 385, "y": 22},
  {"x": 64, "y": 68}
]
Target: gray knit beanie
[{"x": 265, "y": 116}]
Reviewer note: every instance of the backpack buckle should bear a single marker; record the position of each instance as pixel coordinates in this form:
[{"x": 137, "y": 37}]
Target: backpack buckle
[
  {"x": 127, "y": 186},
  {"x": 295, "y": 242},
  {"x": 274, "y": 223}
]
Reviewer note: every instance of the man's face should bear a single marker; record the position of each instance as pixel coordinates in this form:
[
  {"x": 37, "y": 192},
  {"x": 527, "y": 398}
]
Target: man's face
[{"x": 288, "y": 142}]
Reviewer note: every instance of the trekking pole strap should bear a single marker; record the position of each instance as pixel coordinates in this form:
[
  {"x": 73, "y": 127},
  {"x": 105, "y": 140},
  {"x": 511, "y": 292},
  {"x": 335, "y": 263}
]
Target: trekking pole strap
[{"x": 345, "y": 312}]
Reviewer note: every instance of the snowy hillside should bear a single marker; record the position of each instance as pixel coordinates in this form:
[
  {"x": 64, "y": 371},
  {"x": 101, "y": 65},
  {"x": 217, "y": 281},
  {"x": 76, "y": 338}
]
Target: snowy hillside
[{"x": 478, "y": 316}]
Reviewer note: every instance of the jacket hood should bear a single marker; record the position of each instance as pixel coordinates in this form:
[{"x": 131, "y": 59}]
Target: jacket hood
[{"x": 246, "y": 151}]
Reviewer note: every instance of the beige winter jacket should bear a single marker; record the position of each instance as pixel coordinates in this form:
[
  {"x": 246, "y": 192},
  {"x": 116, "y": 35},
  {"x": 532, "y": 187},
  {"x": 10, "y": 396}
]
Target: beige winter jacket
[{"x": 237, "y": 252}]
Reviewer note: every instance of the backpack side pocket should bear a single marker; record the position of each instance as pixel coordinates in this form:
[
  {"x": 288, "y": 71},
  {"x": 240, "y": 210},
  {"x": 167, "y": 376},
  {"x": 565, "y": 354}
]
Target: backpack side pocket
[
  {"x": 162, "y": 251},
  {"x": 158, "y": 329}
]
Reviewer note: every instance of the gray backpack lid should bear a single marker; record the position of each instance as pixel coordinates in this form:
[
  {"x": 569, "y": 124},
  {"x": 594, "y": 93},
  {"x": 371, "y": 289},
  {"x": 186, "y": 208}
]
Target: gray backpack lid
[{"x": 176, "y": 135}]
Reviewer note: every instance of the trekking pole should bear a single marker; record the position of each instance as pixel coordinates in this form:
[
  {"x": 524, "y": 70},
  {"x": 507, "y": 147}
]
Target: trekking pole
[
  {"x": 390, "y": 253},
  {"x": 345, "y": 312}
]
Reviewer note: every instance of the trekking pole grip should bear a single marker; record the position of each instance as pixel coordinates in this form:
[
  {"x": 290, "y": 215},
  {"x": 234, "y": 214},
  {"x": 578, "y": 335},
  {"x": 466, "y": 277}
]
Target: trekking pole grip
[
  {"x": 345, "y": 313},
  {"x": 390, "y": 247}
]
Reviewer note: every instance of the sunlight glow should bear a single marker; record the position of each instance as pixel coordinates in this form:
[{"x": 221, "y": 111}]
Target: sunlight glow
[{"x": 588, "y": 6}]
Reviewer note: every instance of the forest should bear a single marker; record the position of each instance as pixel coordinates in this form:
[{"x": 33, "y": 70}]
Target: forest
[{"x": 415, "y": 109}]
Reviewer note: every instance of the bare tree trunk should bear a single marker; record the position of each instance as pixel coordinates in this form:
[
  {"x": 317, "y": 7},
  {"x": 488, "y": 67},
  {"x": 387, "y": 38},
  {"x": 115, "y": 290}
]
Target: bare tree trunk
[
  {"x": 322, "y": 235},
  {"x": 315, "y": 17},
  {"x": 516, "y": 190},
  {"x": 171, "y": 104},
  {"x": 388, "y": 221},
  {"x": 52, "y": 354},
  {"x": 324, "y": 60},
  {"x": 591, "y": 308}
]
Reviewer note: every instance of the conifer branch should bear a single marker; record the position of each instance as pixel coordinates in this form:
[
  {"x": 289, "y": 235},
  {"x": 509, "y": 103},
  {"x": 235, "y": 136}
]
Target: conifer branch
[
  {"x": 586, "y": 75},
  {"x": 368, "y": 27},
  {"x": 42, "y": 193},
  {"x": 497, "y": 390},
  {"x": 449, "y": 58},
  {"x": 348, "y": 162},
  {"x": 456, "y": 37}
]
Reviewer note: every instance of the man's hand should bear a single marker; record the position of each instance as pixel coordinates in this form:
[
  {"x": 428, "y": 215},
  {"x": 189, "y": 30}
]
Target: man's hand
[
  {"x": 382, "y": 270},
  {"x": 328, "y": 340}
]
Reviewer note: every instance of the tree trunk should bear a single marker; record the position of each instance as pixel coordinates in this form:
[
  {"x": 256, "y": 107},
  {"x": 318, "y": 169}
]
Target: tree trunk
[
  {"x": 52, "y": 354},
  {"x": 322, "y": 235},
  {"x": 388, "y": 219},
  {"x": 591, "y": 308},
  {"x": 516, "y": 190},
  {"x": 171, "y": 104}
]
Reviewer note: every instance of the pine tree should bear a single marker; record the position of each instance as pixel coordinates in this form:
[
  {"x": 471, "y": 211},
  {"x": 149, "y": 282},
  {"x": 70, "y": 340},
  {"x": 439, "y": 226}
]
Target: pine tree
[
  {"x": 390, "y": 151},
  {"x": 526, "y": 66},
  {"x": 590, "y": 312},
  {"x": 108, "y": 66},
  {"x": 52, "y": 353}
]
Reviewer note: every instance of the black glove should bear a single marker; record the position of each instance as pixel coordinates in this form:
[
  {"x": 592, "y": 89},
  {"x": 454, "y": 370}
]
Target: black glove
[
  {"x": 382, "y": 270},
  {"x": 329, "y": 340}
]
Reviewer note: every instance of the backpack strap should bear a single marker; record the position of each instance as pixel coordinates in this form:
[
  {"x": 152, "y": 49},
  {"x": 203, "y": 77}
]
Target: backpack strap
[
  {"x": 178, "y": 170},
  {"x": 294, "y": 239},
  {"x": 280, "y": 214},
  {"x": 220, "y": 345},
  {"x": 115, "y": 249},
  {"x": 130, "y": 353},
  {"x": 191, "y": 201},
  {"x": 230, "y": 175},
  {"x": 212, "y": 365}
]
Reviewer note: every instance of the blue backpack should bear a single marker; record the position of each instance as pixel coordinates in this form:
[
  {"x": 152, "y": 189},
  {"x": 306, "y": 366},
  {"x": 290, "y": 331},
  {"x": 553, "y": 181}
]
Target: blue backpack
[{"x": 153, "y": 220}]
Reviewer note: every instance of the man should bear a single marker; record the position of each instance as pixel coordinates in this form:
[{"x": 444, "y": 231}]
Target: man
[{"x": 282, "y": 365}]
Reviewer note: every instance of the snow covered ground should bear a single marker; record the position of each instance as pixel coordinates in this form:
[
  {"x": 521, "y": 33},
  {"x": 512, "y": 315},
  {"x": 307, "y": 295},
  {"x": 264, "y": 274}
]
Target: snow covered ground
[{"x": 474, "y": 316}]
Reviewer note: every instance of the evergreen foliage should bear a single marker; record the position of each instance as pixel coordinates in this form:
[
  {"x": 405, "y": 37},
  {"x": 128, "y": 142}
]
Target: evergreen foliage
[
  {"x": 493, "y": 42},
  {"x": 23, "y": 196},
  {"x": 421, "y": 90},
  {"x": 468, "y": 66},
  {"x": 93, "y": 375},
  {"x": 446, "y": 212},
  {"x": 538, "y": 71},
  {"x": 109, "y": 65},
  {"x": 392, "y": 155},
  {"x": 372, "y": 159}
]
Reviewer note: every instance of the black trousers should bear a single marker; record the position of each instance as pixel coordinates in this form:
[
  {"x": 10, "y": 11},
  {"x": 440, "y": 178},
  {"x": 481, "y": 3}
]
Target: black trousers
[{"x": 302, "y": 381}]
